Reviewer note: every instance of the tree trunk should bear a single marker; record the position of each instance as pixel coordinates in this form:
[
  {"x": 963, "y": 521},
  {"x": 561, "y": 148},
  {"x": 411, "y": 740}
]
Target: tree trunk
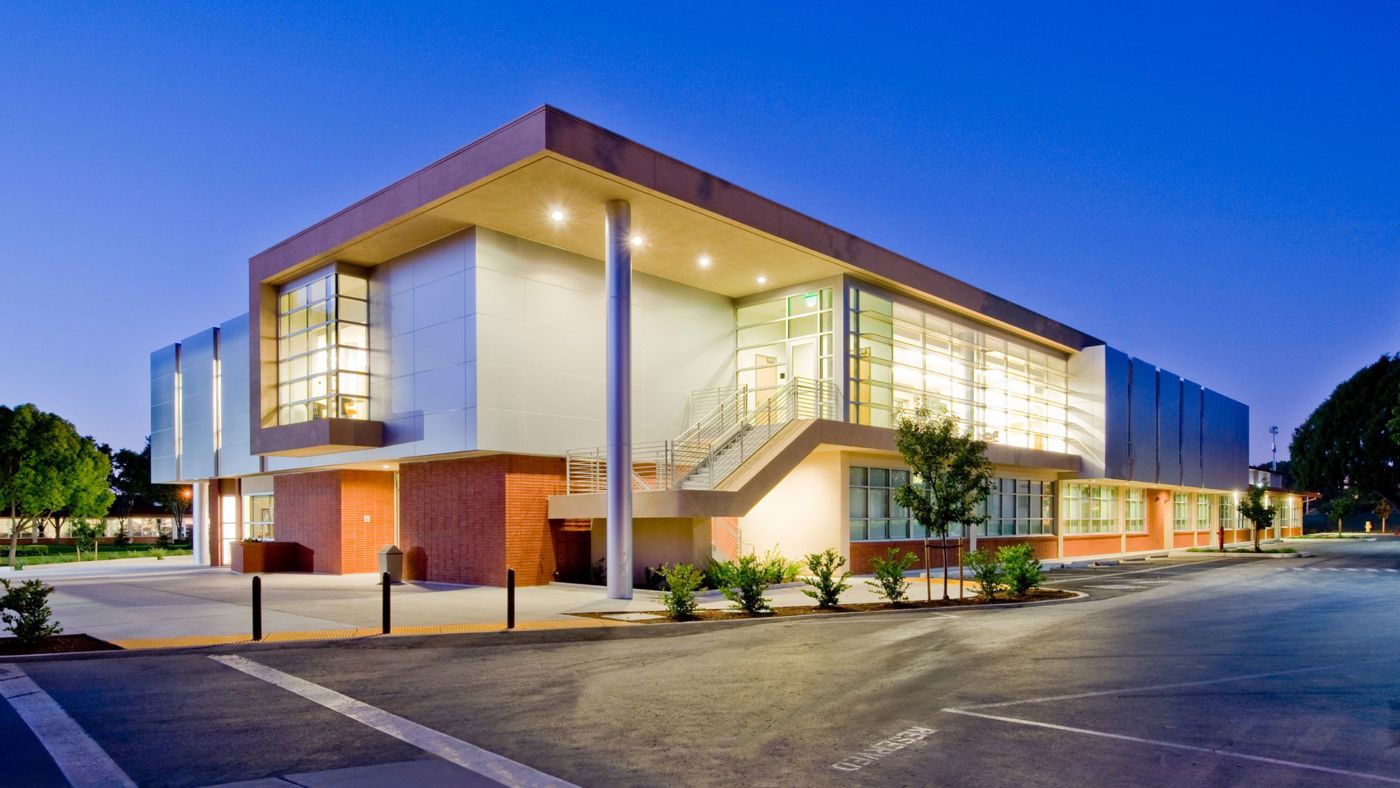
[
  {"x": 14, "y": 534},
  {"x": 928, "y": 572},
  {"x": 944, "y": 551},
  {"x": 1256, "y": 539}
]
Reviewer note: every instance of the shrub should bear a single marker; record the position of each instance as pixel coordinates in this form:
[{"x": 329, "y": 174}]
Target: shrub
[
  {"x": 1022, "y": 569},
  {"x": 159, "y": 553},
  {"x": 162, "y": 537},
  {"x": 987, "y": 569},
  {"x": 777, "y": 569},
  {"x": 681, "y": 581},
  {"x": 31, "y": 549},
  {"x": 122, "y": 538},
  {"x": 719, "y": 575},
  {"x": 599, "y": 571},
  {"x": 26, "y": 611},
  {"x": 749, "y": 584},
  {"x": 889, "y": 582},
  {"x": 826, "y": 587}
]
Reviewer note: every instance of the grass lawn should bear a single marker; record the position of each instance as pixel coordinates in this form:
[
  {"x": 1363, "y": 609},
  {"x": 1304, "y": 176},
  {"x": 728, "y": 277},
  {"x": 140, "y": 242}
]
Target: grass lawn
[{"x": 63, "y": 554}]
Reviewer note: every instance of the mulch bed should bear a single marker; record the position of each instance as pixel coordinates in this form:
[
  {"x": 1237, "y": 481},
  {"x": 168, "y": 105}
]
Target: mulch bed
[
  {"x": 1038, "y": 595},
  {"x": 58, "y": 644}
]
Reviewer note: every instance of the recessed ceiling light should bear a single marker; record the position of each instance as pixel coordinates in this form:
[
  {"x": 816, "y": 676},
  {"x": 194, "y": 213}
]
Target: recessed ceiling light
[
  {"x": 638, "y": 240},
  {"x": 386, "y": 467},
  {"x": 556, "y": 216},
  {"x": 763, "y": 280},
  {"x": 704, "y": 261}
]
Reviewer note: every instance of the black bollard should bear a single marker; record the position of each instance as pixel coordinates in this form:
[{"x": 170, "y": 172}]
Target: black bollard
[
  {"x": 387, "y": 583},
  {"x": 510, "y": 599},
  {"x": 257, "y": 608}
]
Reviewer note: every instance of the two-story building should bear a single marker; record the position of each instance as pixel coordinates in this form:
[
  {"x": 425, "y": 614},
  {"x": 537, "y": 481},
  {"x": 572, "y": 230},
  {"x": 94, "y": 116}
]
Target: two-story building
[{"x": 445, "y": 364}]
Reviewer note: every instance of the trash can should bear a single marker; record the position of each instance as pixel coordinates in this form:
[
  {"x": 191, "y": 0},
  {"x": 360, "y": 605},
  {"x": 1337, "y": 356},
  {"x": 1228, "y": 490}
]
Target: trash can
[{"x": 391, "y": 561}]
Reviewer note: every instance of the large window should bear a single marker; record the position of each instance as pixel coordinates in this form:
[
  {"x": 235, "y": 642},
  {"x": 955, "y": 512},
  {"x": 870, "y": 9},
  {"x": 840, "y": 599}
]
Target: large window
[
  {"x": 782, "y": 339},
  {"x": 1181, "y": 512},
  {"x": 1228, "y": 515},
  {"x": 257, "y": 523},
  {"x": 1020, "y": 507},
  {"x": 874, "y": 514},
  {"x": 323, "y": 349},
  {"x": 1134, "y": 511},
  {"x": 1090, "y": 509},
  {"x": 1202, "y": 512},
  {"x": 1011, "y": 391}
]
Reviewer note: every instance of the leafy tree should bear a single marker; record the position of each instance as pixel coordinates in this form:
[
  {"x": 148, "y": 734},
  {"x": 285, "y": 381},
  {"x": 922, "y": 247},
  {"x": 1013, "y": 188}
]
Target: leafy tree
[
  {"x": 951, "y": 475},
  {"x": 1352, "y": 440},
  {"x": 1254, "y": 508},
  {"x": 46, "y": 467},
  {"x": 1383, "y": 510},
  {"x": 1342, "y": 505},
  {"x": 131, "y": 481},
  {"x": 87, "y": 535}
]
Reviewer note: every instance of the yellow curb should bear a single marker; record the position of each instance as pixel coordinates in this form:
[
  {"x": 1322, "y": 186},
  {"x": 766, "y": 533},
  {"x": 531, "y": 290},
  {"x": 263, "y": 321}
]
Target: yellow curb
[{"x": 192, "y": 641}]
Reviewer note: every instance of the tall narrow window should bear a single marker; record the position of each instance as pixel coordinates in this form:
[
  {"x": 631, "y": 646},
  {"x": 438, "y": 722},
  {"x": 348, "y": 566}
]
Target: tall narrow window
[{"x": 323, "y": 349}]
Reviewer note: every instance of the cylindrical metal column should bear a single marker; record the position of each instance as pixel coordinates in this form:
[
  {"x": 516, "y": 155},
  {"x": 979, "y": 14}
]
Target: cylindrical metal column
[
  {"x": 619, "y": 422},
  {"x": 199, "y": 529}
]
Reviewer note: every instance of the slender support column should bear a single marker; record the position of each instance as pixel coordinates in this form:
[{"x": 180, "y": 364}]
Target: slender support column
[
  {"x": 619, "y": 423},
  {"x": 199, "y": 528}
]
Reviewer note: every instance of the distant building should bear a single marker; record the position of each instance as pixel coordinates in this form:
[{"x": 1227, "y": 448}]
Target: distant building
[{"x": 430, "y": 367}]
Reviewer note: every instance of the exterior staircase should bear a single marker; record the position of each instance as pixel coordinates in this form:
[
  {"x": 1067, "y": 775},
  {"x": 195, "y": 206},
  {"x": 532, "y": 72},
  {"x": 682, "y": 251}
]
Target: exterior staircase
[{"x": 715, "y": 445}]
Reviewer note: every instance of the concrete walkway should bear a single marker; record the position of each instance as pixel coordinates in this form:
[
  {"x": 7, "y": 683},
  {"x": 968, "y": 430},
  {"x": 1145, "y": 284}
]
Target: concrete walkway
[{"x": 145, "y": 603}]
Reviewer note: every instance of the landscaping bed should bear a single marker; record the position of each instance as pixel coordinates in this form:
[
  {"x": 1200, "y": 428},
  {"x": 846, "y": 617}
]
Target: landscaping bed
[
  {"x": 55, "y": 644},
  {"x": 1036, "y": 595},
  {"x": 31, "y": 555},
  {"x": 1241, "y": 550}
]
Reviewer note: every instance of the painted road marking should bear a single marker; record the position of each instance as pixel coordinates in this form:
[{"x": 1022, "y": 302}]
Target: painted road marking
[
  {"x": 80, "y": 758},
  {"x": 1175, "y": 685},
  {"x": 469, "y": 756},
  {"x": 883, "y": 748},
  {"x": 1178, "y": 746}
]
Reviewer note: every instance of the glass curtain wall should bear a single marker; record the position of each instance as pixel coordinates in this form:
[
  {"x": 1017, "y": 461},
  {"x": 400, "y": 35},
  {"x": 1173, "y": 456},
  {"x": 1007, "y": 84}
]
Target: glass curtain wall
[
  {"x": 1011, "y": 392},
  {"x": 323, "y": 350},
  {"x": 784, "y": 338}
]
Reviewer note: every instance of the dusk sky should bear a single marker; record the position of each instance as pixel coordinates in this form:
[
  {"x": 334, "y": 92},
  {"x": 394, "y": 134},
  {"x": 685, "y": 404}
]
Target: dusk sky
[{"x": 1215, "y": 191}]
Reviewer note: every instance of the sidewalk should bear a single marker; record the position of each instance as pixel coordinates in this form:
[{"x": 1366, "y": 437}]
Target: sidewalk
[{"x": 144, "y": 603}]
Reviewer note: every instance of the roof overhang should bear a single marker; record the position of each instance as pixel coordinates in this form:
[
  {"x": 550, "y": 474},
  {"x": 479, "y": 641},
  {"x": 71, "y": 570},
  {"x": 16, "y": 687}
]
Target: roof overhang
[{"x": 513, "y": 178}]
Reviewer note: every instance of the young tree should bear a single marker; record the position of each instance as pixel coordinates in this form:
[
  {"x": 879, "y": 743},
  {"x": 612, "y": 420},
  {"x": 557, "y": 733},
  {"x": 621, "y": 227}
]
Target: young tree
[
  {"x": 951, "y": 476},
  {"x": 1342, "y": 505},
  {"x": 1255, "y": 508},
  {"x": 1383, "y": 510},
  {"x": 46, "y": 467}
]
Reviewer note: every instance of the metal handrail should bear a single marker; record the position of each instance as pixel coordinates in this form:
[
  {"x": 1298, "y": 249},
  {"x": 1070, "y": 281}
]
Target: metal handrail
[{"x": 714, "y": 447}]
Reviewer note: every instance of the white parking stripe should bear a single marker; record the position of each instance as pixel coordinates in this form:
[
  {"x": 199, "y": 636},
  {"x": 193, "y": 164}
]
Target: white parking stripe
[
  {"x": 469, "y": 756},
  {"x": 1177, "y": 746},
  {"x": 80, "y": 758}
]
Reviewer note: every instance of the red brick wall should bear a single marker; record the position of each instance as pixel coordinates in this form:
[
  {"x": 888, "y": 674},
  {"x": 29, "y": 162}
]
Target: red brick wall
[
  {"x": 467, "y": 520},
  {"x": 365, "y": 493},
  {"x": 529, "y": 483},
  {"x": 324, "y": 512}
]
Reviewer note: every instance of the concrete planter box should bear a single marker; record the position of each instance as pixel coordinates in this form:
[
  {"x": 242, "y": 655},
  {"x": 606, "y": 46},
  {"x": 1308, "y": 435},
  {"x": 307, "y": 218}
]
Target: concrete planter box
[{"x": 263, "y": 557}]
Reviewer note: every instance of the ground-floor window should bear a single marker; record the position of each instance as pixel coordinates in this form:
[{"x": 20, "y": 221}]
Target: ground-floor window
[
  {"x": 1019, "y": 507},
  {"x": 1090, "y": 509},
  {"x": 1203, "y": 512},
  {"x": 258, "y": 522},
  {"x": 1228, "y": 515},
  {"x": 874, "y": 515},
  {"x": 1135, "y": 511},
  {"x": 1181, "y": 512}
]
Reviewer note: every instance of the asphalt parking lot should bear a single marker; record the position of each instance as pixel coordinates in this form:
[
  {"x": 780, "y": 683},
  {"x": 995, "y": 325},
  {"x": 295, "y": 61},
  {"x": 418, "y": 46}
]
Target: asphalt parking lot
[{"x": 1194, "y": 672}]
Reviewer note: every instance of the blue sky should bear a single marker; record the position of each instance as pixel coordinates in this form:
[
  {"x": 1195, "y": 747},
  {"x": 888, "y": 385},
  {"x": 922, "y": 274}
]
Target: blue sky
[{"x": 1212, "y": 190}]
